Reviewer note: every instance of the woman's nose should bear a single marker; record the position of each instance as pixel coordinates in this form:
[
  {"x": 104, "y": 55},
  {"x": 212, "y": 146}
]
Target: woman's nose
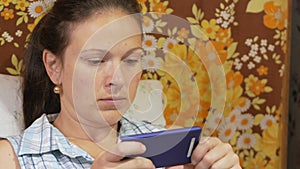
[{"x": 115, "y": 78}]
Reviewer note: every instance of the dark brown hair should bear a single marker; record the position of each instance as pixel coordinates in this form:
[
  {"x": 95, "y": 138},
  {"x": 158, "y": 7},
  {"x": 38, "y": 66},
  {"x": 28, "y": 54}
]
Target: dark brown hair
[{"x": 52, "y": 33}]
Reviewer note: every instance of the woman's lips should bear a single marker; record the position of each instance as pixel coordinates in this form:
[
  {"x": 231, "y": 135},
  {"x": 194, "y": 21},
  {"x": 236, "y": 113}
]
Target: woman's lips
[{"x": 112, "y": 101}]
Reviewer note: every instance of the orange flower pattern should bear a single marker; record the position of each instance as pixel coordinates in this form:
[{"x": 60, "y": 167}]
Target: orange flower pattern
[
  {"x": 200, "y": 53},
  {"x": 262, "y": 70},
  {"x": 7, "y": 14},
  {"x": 275, "y": 17}
]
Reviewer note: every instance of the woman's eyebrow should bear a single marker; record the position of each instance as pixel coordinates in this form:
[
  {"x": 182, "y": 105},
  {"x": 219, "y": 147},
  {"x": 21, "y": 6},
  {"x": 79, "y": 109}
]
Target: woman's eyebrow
[
  {"x": 132, "y": 51},
  {"x": 94, "y": 51},
  {"x": 106, "y": 53}
]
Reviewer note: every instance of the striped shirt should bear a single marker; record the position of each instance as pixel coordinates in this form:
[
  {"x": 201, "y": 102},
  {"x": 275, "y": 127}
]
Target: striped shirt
[{"x": 43, "y": 146}]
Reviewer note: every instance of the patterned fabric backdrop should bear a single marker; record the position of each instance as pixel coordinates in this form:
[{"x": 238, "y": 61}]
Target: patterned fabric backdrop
[{"x": 247, "y": 38}]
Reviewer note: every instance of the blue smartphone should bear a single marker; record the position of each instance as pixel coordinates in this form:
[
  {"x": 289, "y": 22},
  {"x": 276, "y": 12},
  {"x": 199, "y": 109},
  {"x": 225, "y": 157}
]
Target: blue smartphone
[{"x": 168, "y": 147}]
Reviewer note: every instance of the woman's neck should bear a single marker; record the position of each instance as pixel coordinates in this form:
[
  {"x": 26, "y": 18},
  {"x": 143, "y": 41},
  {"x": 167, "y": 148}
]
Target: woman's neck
[{"x": 93, "y": 140}]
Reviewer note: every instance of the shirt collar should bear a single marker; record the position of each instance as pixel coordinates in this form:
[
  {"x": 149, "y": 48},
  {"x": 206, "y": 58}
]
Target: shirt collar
[
  {"x": 130, "y": 126},
  {"x": 42, "y": 137}
]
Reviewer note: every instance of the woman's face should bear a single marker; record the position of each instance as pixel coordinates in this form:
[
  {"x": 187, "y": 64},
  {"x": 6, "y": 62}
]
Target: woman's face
[{"x": 101, "y": 68}]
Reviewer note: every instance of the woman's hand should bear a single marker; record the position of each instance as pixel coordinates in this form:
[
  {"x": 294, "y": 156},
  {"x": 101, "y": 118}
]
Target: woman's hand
[
  {"x": 113, "y": 158},
  {"x": 212, "y": 153}
]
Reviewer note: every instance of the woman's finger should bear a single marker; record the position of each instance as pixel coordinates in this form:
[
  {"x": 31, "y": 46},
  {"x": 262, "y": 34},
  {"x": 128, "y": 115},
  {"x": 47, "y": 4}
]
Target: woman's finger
[
  {"x": 202, "y": 148},
  {"x": 135, "y": 163},
  {"x": 124, "y": 149},
  {"x": 215, "y": 154},
  {"x": 212, "y": 153},
  {"x": 231, "y": 160},
  {"x": 113, "y": 158}
]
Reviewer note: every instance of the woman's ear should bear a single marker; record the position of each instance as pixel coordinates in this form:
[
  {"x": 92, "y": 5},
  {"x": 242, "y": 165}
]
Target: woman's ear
[{"x": 53, "y": 65}]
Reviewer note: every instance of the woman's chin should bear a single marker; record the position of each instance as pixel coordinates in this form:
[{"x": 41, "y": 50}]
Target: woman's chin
[{"x": 111, "y": 117}]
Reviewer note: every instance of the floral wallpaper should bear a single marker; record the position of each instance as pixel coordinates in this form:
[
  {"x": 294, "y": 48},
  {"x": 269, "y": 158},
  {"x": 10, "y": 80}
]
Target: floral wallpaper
[
  {"x": 17, "y": 20},
  {"x": 249, "y": 40},
  {"x": 221, "y": 63}
]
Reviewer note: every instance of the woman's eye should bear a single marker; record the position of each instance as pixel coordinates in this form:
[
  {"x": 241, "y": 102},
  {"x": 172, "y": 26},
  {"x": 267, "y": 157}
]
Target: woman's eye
[
  {"x": 131, "y": 61},
  {"x": 95, "y": 61},
  {"x": 133, "y": 58}
]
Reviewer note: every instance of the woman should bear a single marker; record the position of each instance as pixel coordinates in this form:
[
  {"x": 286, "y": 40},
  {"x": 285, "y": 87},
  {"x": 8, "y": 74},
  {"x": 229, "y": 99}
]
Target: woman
[{"x": 94, "y": 79}]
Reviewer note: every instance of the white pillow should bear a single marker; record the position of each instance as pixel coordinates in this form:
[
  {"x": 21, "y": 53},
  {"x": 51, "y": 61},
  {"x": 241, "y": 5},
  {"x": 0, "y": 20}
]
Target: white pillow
[
  {"x": 11, "y": 116},
  {"x": 148, "y": 103}
]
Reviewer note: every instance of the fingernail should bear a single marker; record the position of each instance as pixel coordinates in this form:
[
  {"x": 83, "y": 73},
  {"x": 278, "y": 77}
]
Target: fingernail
[
  {"x": 143, "y": 147},
  {"x": 193, "y": 162}
]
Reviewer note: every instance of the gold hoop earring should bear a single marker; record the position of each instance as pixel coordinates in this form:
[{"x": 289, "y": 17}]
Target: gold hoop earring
[{"x": 57, "y": 90}]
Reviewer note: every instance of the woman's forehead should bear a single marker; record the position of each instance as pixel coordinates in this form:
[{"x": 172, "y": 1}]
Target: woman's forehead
[{"x": 107, "y": 30}]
